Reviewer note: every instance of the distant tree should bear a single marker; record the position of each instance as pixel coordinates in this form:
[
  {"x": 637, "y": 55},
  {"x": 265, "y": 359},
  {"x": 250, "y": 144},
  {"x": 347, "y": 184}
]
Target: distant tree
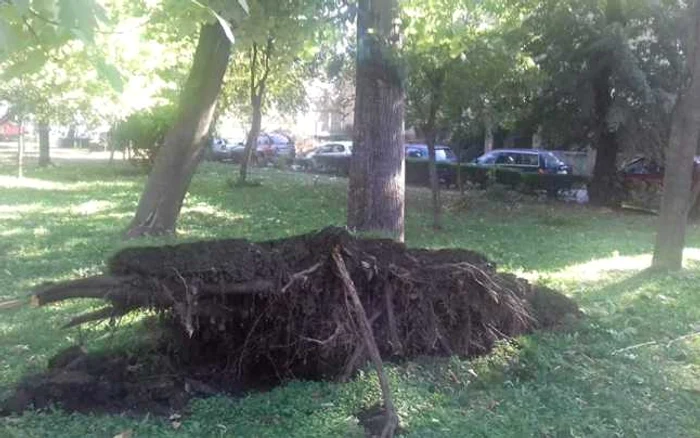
[
  {"x": 603, "y": 59},
  {"x": 277, "y": 52},
  {"x": 377, "y": 183},
  {"x": 680, "y": 189},
  {"x": 457, "y": 65}
]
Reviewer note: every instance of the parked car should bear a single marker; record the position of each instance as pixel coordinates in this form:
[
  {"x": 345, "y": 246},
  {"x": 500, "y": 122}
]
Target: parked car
[
  {"x": 642, "y": 183},
  {"x": 221, "y": 149},
  {"x": 326, "y": 156},
  {"x": 525, "y": 160},
  {"x": 420, "y": 151},
  {"x": 273, "y": 146}
]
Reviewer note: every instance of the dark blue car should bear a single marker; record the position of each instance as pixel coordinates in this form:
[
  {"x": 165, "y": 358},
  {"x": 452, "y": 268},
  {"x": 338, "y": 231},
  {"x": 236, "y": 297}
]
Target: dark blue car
[
  {"x": 420, "y": 151},
  {"x": 525, "y": 160}
]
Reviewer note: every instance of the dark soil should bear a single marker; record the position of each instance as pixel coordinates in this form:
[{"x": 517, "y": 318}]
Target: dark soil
[{"x": 238, "y": 315}]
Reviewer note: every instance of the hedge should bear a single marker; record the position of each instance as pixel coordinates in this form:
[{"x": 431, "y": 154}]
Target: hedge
[{"x": 417, "y": 173}]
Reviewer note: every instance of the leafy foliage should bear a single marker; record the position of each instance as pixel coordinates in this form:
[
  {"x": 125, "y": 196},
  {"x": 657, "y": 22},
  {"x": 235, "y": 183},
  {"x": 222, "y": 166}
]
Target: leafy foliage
[
  {"x": 466, "y": 64},
  {"x": 635, "y": 41},
  {"x": 144, "y": 132}
]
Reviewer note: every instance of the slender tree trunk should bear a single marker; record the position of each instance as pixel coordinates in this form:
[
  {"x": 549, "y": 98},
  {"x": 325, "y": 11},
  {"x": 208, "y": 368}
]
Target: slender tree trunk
[
  {"x": 488, "y": 133},
  {"x": 603, "y": 189},
  {"x": 20, "y": 150},
  {"x": 44, "y": 151},
  {"x": 678, "y": 178},
  {"x": 377, "y": 179},
  {"x": 537, "y": 138},
  {"x": 257, "y": 96},
  {"x": 434, "y": 180},
  {"x": 252, "y": 141},
  {"x": 70, "y": 137},
  {"x": 177, "y": 160}
]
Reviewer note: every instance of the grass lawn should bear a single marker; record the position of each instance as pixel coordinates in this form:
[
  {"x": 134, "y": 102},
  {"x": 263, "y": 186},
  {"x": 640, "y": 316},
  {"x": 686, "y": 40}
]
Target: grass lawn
[{"x": 65, "y": 221}]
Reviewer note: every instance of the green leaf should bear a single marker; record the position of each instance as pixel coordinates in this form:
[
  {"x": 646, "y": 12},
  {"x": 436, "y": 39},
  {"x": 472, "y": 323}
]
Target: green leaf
[
  {"x": 110, "y": 73},
  {"x": 33, "y": 63}
]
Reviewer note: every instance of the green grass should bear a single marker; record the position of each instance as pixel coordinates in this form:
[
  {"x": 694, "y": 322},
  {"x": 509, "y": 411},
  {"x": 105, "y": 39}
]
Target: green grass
[{"x": 65, "y": 221}]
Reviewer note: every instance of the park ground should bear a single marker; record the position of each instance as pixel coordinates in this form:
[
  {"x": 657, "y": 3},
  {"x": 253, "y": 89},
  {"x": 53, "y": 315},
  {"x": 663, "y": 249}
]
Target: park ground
[{"x": 630, "y": 367}]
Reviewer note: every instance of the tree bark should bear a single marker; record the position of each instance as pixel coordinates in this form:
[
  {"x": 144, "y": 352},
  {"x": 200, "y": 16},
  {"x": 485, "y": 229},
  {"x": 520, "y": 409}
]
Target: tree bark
[
  {"x": 377, "y": 180},
  {"x": 252, "y": 141},
  {"x": 678, "y": 179},
  {"x": 44, "y": 152},
  {"x": 177, "y": 160},
  {"x": 488, "y": 133},
  {"x": 603, "y": 187}
]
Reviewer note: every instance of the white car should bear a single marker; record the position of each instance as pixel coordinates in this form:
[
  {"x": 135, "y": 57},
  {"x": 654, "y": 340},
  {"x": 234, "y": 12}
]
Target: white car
[{"x": 328, "y": 154}]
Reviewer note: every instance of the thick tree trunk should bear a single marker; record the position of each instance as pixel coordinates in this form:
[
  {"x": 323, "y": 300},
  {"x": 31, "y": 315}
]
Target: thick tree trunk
[
  {"x": 177, "y": 160},
  {"x": 44, "y": 152},
  {"x": 251, "y": 144},
  {"x": 678, "y": 179},
  {"x": 603, "y": 188},
  {"x": 377, "y": 180}
]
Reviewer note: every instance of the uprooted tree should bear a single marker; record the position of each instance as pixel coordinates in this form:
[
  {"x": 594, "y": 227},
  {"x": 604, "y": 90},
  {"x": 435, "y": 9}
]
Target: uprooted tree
[{"x": 312, "y": 306}]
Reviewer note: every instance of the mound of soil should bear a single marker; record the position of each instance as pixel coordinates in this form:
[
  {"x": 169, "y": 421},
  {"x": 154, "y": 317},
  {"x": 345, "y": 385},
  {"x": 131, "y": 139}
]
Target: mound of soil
[{"x": 242, "y": 315}]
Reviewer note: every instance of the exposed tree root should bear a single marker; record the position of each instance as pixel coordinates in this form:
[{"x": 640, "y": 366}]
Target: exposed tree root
[{"x": 316, "y": 306}]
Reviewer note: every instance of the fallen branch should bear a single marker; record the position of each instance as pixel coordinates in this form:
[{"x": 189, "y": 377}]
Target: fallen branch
[{"x": 392, "y": 418}]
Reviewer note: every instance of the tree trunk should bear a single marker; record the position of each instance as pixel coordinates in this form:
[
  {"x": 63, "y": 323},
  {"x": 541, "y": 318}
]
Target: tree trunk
[
  {"x": 537, "y": 138},
  {"x": 257, "y": 94},
  {"x": 678, "y": 178},
  {"x": 252, "y": 141},
  {"x": 177, "y": 160},
  {"x": 434, "y": 181},
  {"x": 20, "y": 150},
  {"x": 377, "y": 180},
  {"x": 488, "y": 134},
  {"x": 603, "y": 188},
  {"x": 44, "y": 152}
]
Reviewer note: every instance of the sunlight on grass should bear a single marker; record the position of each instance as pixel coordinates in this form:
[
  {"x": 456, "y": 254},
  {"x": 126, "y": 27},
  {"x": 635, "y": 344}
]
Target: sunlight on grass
[
  {"x": 65, "y": 222},
  {"x": 212, "y": 211},
  {"x": 9, "y": 182},
  {"x": 601, "y": 269}
]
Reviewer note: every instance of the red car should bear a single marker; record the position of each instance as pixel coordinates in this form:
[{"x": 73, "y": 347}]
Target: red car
[{"x": 642, "y": 181}]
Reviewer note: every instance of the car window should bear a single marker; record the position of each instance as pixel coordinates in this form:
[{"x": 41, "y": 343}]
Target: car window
[
  {"x": 527, "y": 159},
  {"x": 339, "y": 148},
  {"x": 505, "y": 158},
  {"x": 489, "y": 158},
  {"x": 278, "y": 138},
  {"x": 444, "y": 154},
  {"x": 415, "y": 153},
  {"x": 551, "y": 160},
  {"x": 325, "y": 149}
]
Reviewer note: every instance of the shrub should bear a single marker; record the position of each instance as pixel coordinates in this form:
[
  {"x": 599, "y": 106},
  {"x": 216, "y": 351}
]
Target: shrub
[{"x": 144, "y": 132}]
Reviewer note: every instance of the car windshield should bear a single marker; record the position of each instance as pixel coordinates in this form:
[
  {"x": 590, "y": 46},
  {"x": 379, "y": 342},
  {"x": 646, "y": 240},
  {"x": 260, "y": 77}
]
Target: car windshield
[{"x": 551, "y": 160}]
